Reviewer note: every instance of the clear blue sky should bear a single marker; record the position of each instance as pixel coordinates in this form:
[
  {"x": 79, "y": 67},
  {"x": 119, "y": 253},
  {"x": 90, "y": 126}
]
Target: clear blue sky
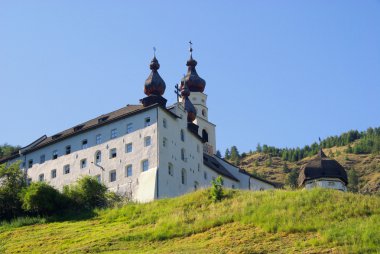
[{"x": 281, "y": 73}]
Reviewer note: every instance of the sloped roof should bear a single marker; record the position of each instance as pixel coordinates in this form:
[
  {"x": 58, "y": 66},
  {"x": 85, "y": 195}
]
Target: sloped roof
[
  {"x": 322, "y": 167},
  {"x": 213, "y": 164}
]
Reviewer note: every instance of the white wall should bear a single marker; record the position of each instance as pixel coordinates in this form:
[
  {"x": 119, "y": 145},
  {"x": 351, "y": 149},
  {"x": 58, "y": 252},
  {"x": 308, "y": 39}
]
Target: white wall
[{"x": 328, "y": 183}]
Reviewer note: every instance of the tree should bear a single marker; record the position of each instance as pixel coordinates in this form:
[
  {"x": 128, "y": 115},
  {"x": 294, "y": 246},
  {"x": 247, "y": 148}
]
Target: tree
[
  {"x": 87, "y": 193},
  {"x": 235, "y": 156},
  {"x": 218, "y": 154},
  {"x": 259, "y": 149},
  {"x": 285, "y": 168},
  {"x": 292, "y": 179},
  {"x": 7, "y": 150},
  {"x": 42, "y": 199},
  {"x": 12, "y": 182},
  {"x": 216, "y": 191},
  {"x": 227, "y": 154},
  {"x": 269, "y": 162},
  {"x": 353, "y": 180}
]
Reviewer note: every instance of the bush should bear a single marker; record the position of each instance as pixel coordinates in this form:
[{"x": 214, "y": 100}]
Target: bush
[
  {"x": 41, "y": 198},
  {"x": 216, "y": 191},
  {"x": 87, "y": 193}
]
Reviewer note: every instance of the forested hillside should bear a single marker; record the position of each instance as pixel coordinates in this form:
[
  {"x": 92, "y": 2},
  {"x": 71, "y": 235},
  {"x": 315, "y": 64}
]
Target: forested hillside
[{"x": 358, "y": 152}]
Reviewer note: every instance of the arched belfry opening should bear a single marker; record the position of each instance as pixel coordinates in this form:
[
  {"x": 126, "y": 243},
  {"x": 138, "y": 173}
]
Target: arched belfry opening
[{"x": 204, "y": 135}]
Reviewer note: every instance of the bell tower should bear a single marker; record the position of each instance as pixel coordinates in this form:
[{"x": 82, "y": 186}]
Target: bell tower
[{"x": 198, "y": 98}]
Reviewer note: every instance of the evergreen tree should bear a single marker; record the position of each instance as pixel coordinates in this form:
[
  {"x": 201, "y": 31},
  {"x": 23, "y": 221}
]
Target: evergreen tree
[
  {"x": 227, "y": 154},
  {"x": 353, "y": 181},
  {"x": 218, "y": 154},
  {"x": 292, "y": 179},
  {"x": 234, "y": 155},
  {"x": 259, "y": 149}
]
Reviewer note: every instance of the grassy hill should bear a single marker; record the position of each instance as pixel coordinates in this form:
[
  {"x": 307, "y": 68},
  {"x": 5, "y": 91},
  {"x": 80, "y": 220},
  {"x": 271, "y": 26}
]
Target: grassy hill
[
  {"x": 318, "y": 221},
  {"x": 366, "y": 165}
]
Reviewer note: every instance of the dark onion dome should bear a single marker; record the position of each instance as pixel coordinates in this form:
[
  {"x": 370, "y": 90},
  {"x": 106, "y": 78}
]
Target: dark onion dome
[
  {"x": 194, "y": 82},
  {"x": 154, "y": 84},
  {"x": 189, "y": 107},
  {"x": 322, "y": 167}
]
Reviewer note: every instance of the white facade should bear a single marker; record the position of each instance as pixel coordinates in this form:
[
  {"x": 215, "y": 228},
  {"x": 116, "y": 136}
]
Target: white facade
[{"x": 328, "y": 183}]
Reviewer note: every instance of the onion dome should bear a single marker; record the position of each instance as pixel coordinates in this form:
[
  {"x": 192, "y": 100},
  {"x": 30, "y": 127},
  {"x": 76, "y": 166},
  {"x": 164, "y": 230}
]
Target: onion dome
[
  {"x": 322, "y": 167},
  {"x": 188, "y": 105},
  {"x": 194, "y": 82},
  {"x": 154, "y": 84}
]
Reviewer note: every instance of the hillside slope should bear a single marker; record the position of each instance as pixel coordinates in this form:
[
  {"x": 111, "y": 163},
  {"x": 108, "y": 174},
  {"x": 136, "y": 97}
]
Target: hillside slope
[
  {"x": 317, "y": 221},
  {"x": 367, "y": 167}
]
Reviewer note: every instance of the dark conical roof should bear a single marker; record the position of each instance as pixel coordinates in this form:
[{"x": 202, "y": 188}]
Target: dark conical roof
[
  {"x": 322, "y": 167},
  {"x": 188, "y": 105},
  {"x": 192, "y": 79},
  {"x": 154, "y": 84}
]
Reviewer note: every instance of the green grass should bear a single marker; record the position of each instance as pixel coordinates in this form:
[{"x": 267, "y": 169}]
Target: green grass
[{"x": 318, "y": 221}]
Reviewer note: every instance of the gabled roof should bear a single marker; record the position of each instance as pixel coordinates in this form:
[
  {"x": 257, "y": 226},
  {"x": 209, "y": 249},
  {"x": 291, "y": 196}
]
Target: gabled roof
[{"x": 214, "y": 164}]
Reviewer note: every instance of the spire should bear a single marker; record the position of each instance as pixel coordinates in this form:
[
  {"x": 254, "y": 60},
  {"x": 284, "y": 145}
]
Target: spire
[
  {"x": 189, "y": 107},
  {"x": 154, "y": 84},
  {"x": 321, "y": 154},
  {"x": 194, "y": 82}
]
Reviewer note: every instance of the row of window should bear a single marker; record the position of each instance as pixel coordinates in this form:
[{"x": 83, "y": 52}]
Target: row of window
[
  {"x": 128, "y": 149},
  {"x": 112, "y": 174}
]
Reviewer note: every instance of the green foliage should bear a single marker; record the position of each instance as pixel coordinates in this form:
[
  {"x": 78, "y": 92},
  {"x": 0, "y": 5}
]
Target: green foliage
[
  {"x": 7, "y": 150},
  {"x": 227, "y": 154},
  {"x": 353, "y": 180},
  {"x": 218, "y": 154},
  {"x": 269, "y": 162},
  {"x": 259, "y": 149},
  {"x": 285, "y": 168},
  {"x": 216, "y": 190},
  {"x": 87, "y": 193},
  {"x": 292, "y": 179},
  {"x": 12, "y": 182},
  {"x": 41, "y": 198}
]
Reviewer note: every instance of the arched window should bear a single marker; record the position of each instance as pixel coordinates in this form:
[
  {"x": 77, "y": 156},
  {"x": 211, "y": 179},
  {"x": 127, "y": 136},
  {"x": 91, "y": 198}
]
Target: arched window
[
  {"x": 98, "y": 157},
  {"x": 183, "y": 154},
  {"x": 183, "y": 176},
  {"x": 183, "y": 135},
  {"x": 170, "y": 169},
  {"x": 204, "y": 112},
  {"x": 205, "y": 135},
  {"x": 196, "y": 185}
]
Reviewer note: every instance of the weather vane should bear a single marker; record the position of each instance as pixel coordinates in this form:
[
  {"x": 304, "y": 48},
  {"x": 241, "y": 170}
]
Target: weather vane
[
  {"x": 191, "y": 46},
  {"x": 154, "y": 51}
]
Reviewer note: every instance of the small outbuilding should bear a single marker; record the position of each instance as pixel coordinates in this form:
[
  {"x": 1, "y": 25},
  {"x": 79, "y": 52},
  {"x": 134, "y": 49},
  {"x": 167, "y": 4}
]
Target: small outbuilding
[{"x": 323, "y": 172}]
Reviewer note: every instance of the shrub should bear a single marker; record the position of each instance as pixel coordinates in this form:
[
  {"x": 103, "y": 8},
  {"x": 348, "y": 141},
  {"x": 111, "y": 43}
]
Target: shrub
[
  {"x": 216, "y": 191},
  {"x": 41, "y": 198},
  {"x": 87, "y": 193}
]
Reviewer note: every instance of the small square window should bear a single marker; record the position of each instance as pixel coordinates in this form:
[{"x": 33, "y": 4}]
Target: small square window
[
  {"x": 84, "y": 144},
  {"x": 129, "y": 128},
  {"x": 147, "y": 122},
  {"x": 98, "y": 139},
  {"x": 83, "y": 163},
  {"x": 42, "y": 158},
  {"x": 55, "y": 154},
  {"x": 30, "y": 163},
  {"x": 113, "y": 176},
  {"x": 147, "y": 141},
  {"x": 164, "y": 142},
  {"x": 41, "y": 177},
  {"x": 68, "y": 150},
  {"x": 114, "y": 133},
  {"x": 66, "y": 169},
  {"x": 53, "y": 173},
  {"x": 128, "y": 148},
  {"x": 128, "y": 170},
  {"x": 145, "y": 165},
  {"x": 205, "y": 175},
  {"x": 113, "y": 153}
]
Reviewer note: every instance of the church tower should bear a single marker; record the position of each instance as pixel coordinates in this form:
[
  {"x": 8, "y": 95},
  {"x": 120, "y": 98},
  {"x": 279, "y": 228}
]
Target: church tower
[{"x": 198, "y": 98}]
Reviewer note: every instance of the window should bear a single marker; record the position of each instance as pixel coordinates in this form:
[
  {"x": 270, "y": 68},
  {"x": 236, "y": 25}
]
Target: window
[
  {"x": 83, "y": 163},
  {"x": 183, "y": 135},
  {"x": 199, "y": 167},
  {"x": 98, "y": 157},
  {"x": 164, "y": 123},
  {"x": 198, "y": 149},
  {"x": 147, "y": 141},
  {"x": 164, "y": 142},
  {"x": 145, "y": 165},
  {"x": 170, "y": 169},
  {"x": 42, "y": 158},
  {"x": 205, "y": 175},
  {"x": 41, "y": 177},
  {"x": 66, "y": 169},
  {"x": 98, "y": 139},
  {"x": 196, "y": 185},
  {"x": 204, "y": 135},
  {"x": 183, "y": 154},
  {"x": 204, "y": 112},
  {"x": 84, "y": 144},
  {"x": 129, "y": 128},
  {"x": 99, "y": 178},
  {"x": 55, "y": 154},
  {"x": 113, "y": 176},
  {"x": 67, "y": 150},
  {"x": 113, "y": 153},
  {"x": 30, "y": 163},
  {"x": 114, "y": 133},
  {"x": 147, "y": 122},
  {"x": 128, "y": 171},
  {"x": 233, "y": 186},
  {"x": 53, "y": 173},
  {"x": 331, "y": 184},
  {"x": 183, "y": 176},
  {"x": 128, "y": 148}
]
